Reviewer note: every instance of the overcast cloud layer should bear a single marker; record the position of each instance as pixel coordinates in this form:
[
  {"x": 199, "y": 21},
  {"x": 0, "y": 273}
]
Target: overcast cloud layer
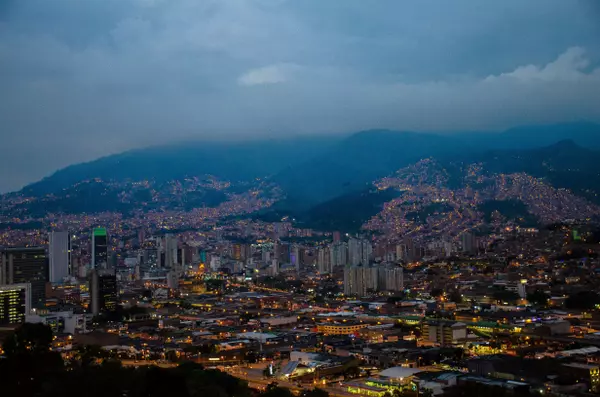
[{"x": 84, "y": 78}]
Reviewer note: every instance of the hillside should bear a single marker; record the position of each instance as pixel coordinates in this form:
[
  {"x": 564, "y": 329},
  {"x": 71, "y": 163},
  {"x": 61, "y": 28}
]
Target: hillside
[
  {"x": 563, "y": 164},
  {"x": 525, "y": 186},
  {"x": 235, "y": 161},
  {"x": 323, "y": 181},
  {"x": 358, "y": 160}
]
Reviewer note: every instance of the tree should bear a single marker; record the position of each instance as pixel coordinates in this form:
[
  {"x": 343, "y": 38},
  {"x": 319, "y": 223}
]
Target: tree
[
  {"x": 316, "y": 392},
  {"x": 251, "y": 357},
  {"x": 455, "y": 296},
  {"x": 426, "y": 393},
  {"x": 89, "y": 355},
  {"x": 273, "y": 390},
  {"x": 582, "y": 300},
  {"x": 31, "y": 339},
  {"x": 319, "y": 299},
  {"x": 505, "y": 296},
  {"x": 32, "y": 369},
  {"x": 538, "y": 298},
  {"x": 351, "y": 373},
  {"x": 396, "y": 298},
  {"x": 28, "y": 360},
  {"x": 185, "y": 304}
]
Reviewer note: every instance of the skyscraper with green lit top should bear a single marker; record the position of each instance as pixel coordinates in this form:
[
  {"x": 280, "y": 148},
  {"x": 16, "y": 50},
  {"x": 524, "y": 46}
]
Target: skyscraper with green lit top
[{"x": 99, "y": 248}]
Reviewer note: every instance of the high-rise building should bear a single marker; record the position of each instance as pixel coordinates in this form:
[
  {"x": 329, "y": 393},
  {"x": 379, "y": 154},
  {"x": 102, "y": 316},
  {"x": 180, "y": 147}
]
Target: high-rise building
[
  {"x": 354, "y": 255},
  {"x": 522, "y": 289},
  {"x": 336, "y": 237},
  {"x": 390, "y": 278},
  {"x": 359, "y": 251},
  {"x": 280, "y": 230},
  {"x": 469, "y": 243},
  {"x": 169, "y": 247},
  {"x": 15, "y": 303},
  {"x": 366, "y": 250},
  {"x": 274, "y": 268},
  {"x": 283, "y": 252},
  {"x": 104, "y": 292},
  {"x": 26, "y": 265},
  {"x": 141, "y": 237},
  {"x": 241, "y": 252},
  {"x": 59, "y": 255},
  {"x": 266, "y": 254},
  {"x": 295, "y": 258},
  {"x": 338, "y": 254},
  {"x": 215, "y": 263},
  {"x": 359, "y": 280},
  {"x": 324, "y": 260},
  {"x": 99, "y": 248}
]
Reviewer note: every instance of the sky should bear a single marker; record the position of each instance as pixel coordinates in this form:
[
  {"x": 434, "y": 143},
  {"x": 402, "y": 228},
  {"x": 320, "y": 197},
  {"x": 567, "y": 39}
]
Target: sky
[{"x": 80, "y": 79}]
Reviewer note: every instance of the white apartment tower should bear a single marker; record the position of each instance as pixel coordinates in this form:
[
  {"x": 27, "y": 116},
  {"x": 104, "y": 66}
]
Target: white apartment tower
[{"x": 59, "y": 252}]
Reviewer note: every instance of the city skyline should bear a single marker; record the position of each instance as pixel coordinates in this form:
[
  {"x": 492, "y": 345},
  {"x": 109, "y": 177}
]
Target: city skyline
[{"x": 312, "y": 198}]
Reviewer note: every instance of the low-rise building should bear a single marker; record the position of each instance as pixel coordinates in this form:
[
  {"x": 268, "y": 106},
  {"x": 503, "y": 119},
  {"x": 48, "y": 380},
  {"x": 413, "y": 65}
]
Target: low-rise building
[
  {"x": 340, "y": 328},
  {"x": 444, "y": 333}
]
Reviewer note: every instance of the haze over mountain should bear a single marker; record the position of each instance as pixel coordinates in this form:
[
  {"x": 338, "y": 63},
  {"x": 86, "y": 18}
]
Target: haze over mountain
[
  {"x": 321, "y": 180},
  {"x": 309, "y": 167},
  {"x": 234, "y": 160}
]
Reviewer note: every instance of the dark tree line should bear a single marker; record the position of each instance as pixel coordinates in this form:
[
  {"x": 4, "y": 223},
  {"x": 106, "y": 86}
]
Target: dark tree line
[{"x": 30, "y": 368}]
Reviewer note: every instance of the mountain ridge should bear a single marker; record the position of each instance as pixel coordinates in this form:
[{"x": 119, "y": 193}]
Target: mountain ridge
[{"x": 313, "y": 171}]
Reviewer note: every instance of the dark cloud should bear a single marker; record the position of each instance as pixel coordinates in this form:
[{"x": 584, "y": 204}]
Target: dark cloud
[{"x": 80, "y": 79}]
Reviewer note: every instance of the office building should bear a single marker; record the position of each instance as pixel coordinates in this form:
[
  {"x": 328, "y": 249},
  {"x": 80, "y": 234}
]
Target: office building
[
  {"x": 104, "y": 292},
  {"x": 26, "y": 265},
  {"x": 99, "y": 248},
  {"x": 15, "y": 303},
  {"x": 59, "y": 255}
]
